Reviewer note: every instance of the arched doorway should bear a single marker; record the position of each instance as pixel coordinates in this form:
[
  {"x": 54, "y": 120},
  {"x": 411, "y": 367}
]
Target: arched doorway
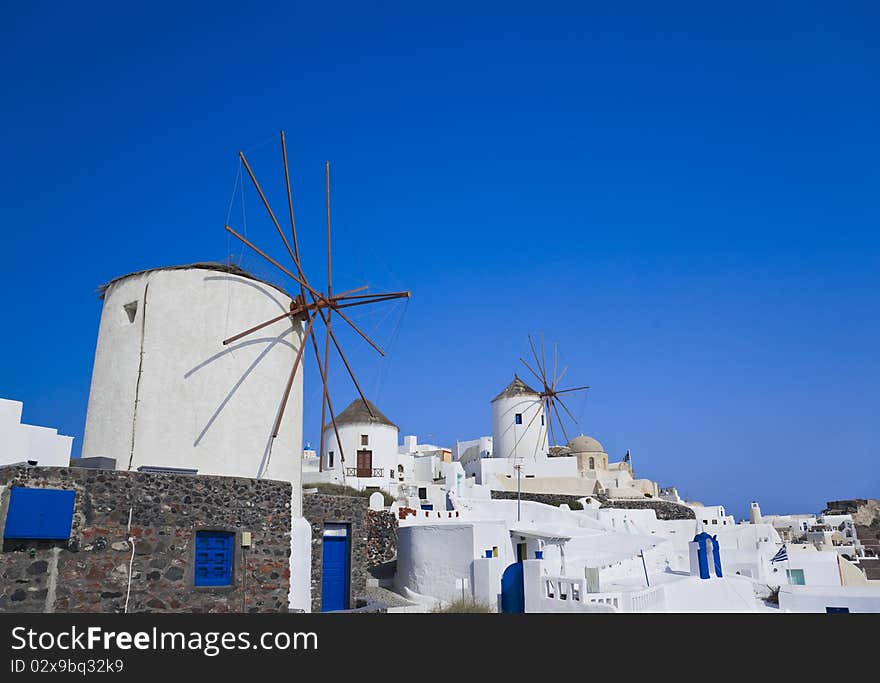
[{"x": 512, "y": 590}]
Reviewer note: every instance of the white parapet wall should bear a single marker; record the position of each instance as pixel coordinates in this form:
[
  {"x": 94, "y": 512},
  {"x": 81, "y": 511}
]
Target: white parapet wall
[
  {"x": 24, "y": 442},
  {"x": 550, "y": 593}
]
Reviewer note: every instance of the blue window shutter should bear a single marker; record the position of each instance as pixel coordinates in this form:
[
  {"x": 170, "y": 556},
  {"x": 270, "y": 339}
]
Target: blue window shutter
[
  {"x": 42, "y": 514},
  {"x": 213, "y": 558}
]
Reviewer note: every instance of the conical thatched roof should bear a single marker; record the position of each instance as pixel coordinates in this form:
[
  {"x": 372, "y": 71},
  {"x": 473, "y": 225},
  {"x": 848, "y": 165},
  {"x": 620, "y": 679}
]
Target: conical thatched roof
[
  {"x": 516, "y": 388},
  {"x": 204, "y": 265},
  {"x": 357, "y": 413}
]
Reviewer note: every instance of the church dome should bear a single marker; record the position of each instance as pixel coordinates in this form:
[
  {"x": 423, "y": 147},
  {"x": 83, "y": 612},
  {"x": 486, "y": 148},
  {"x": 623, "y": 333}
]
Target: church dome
[{"x": 585, "y": 444}]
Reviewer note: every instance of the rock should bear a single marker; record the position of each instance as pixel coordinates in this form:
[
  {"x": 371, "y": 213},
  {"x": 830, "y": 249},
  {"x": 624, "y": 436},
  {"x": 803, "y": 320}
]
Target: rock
[
  {"x": 174, "y": 574},
  {"x": 38, "y": 567}
]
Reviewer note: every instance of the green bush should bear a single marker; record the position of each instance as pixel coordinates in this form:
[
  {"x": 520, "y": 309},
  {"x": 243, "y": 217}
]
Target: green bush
[{"x": 575, "y": 505}]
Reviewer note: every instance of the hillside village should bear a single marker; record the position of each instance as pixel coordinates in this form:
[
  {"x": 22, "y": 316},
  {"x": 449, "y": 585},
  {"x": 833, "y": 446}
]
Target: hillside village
[{"x": 185, "y": 500}]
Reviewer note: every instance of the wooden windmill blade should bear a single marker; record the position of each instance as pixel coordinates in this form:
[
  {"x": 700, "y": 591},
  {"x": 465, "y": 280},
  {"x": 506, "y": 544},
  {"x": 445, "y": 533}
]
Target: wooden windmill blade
[
  {"x": 555, "y": 359},
  {"x": 319, "y": 305},
  {"x": 551, "y": 396},
  {"x": 327, "y": 328}
]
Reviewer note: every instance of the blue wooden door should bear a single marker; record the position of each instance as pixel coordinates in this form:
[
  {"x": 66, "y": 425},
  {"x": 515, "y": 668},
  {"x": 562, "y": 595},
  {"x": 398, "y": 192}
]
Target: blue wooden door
[
  {"x": 334, "y": 573},
  {"x": 513, "y": 599}
]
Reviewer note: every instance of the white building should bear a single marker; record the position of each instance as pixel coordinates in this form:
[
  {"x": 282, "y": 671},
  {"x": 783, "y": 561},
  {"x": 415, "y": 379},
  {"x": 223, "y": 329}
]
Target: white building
[
  {"x": 24, "y": 443},
  {"x": 572, "y": 561},
  {"x": 369, "y": 445},
  {"x": 474, "y": 448},
  {"x": 711, "y": 515}
]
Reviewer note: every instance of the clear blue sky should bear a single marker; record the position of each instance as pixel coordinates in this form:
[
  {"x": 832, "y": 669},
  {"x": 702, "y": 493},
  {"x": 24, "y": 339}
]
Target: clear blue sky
[{"x": 683, "y": 197}]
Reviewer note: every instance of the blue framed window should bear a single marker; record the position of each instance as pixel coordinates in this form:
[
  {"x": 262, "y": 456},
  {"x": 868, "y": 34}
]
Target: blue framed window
[
  {"x": 213, "y": 558},
  {"x": 44, "y": 514},
  {"x": 518, "y": 418}
]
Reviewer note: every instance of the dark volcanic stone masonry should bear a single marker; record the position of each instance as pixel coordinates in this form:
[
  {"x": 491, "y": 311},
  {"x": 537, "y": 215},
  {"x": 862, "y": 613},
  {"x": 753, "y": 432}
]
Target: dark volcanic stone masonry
[
  {"x": 663, "y": 508},
  {"x": 555, "y": 499},
  {"x": 89, "y": 572},
  {"x": 381, "y": 537}
]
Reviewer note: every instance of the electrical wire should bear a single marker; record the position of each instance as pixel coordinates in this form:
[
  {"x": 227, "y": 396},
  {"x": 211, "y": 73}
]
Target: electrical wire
[{"x": 130, "y": 562}]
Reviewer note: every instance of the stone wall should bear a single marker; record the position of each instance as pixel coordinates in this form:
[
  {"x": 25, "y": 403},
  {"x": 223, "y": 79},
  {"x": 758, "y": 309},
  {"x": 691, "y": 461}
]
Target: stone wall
[
  {"x": 555, "y": 499},
  {"x": 320, "y": 509},
  {"x": 664, "y": 509},
  {"x": 89, "y": 572},
  {"x": 381, "y": 537}
]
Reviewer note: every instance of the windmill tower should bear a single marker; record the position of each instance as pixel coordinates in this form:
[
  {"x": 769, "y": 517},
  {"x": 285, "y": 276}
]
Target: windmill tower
[
  {"x": 166, "y": 395},
  {"x": 518, "y": 423},
  {"x": 522, "y": 417}
]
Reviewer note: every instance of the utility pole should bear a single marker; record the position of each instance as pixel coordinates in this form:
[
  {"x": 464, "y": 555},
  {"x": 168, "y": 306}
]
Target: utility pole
[{"x": 518, "y": 469}]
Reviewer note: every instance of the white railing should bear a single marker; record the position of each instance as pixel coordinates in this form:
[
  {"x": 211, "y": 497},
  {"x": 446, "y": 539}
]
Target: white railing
[
  {"x": 648, "y": 599},
  {"x": 563, "y": 588},
  {"x": 567, "y": 588}
]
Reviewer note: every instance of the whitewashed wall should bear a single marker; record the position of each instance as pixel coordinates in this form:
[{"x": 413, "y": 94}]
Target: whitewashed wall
[
  {"x": 509, "y": 440},
  {"x": 807, "y": 599},
  {"x": 820, "y": 568},
  {"x": 166, "y": 392},
  {"x": 383, "y": 444},
  {"x": 432, "y": 557}
]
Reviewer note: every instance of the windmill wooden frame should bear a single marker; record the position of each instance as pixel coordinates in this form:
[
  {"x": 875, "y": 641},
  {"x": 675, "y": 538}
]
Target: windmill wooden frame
[
  {"x": 311, "y": 304},
  {"x": 549, "y": 393}
]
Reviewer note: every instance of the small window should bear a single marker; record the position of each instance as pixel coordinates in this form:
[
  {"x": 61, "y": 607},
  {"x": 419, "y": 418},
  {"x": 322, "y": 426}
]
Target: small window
[
  {"x": 518, "y": 418},
  {"x": 592, "y": 463},
  {"x": 391, "y": 474},
  {"x": 714, "y": 521},
  {"x": 705, "y": 521},
  {"x": 131, "y": 310},
  {"x": 213, "y": 558},
  {"x": 365, "y": 440},
  {"x": 542, "y": 419},
  {"x": 423, "y": 492},
  {"x": 330, "y": 459},
  {"x": 795, "y": 577}
]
